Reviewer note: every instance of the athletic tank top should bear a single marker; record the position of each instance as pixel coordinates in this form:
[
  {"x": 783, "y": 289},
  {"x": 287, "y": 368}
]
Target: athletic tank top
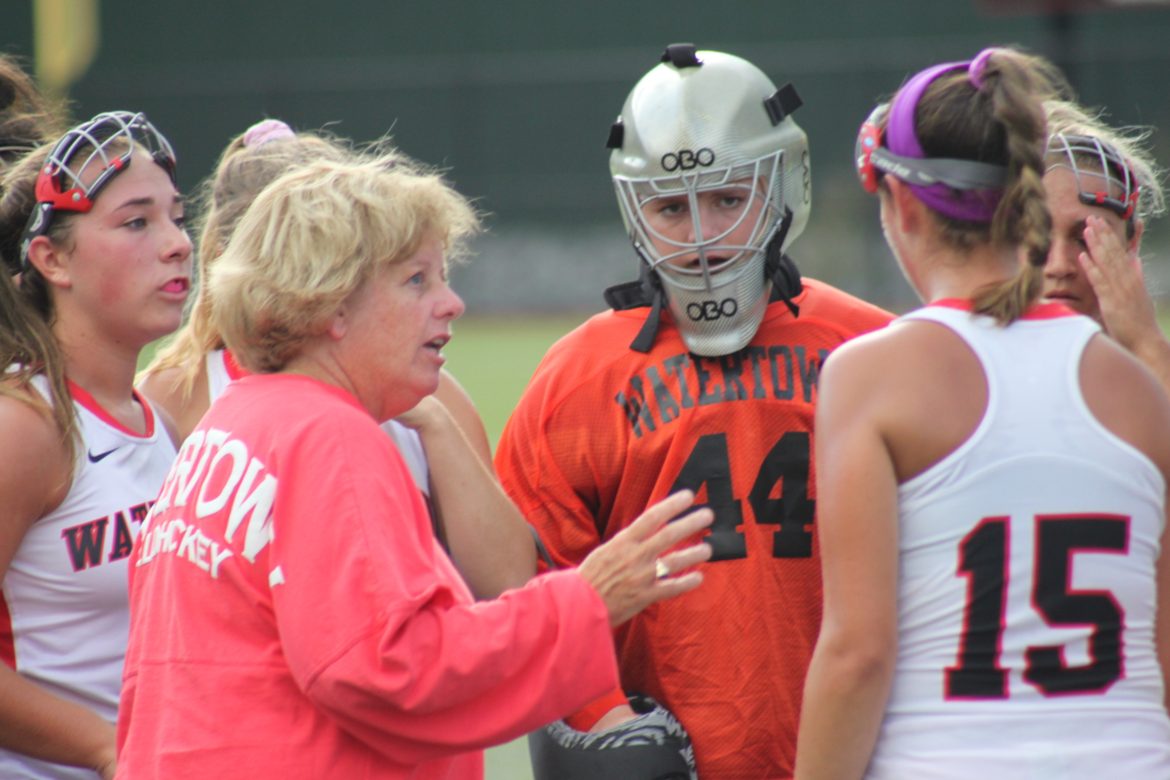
[
  {"x": 1026, "y": 594},
  {"x": 64, "y": 618}
]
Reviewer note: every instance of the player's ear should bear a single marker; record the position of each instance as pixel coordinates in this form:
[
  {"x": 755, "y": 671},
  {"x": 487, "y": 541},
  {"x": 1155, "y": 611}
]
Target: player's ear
[
  {"x": 908, "y": 211},
  {"x": 49, "y": 258}
]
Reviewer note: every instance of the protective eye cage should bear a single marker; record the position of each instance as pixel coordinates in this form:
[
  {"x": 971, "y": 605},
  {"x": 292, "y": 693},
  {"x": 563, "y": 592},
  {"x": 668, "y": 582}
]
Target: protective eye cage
[
  {"x": 636, "y": 195},
  {"x": 1109, "y": 166},
  {"x": 61, "y": 183}
]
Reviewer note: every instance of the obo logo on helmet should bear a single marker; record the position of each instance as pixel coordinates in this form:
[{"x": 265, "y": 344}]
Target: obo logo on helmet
[
  {"x": 706, "y": 311},
  {"x": 686, "y": 159}
]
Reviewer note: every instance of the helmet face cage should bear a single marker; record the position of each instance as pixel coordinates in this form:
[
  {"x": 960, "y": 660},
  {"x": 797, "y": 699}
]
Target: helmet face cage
[
  {"x": 105, "y": 145},
  {"x": 1095, "y": 163},
  {"x": 758, "y": 184},
  {"x": 707, "y": 122}
]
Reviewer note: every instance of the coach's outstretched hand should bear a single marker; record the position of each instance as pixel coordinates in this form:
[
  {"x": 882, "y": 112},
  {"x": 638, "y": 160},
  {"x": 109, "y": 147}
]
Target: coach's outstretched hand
[{"x": 633, "y": 569}]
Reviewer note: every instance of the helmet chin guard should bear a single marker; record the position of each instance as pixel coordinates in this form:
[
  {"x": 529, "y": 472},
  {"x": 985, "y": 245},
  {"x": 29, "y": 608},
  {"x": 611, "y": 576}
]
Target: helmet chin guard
[{"x": 706, "y": 132}]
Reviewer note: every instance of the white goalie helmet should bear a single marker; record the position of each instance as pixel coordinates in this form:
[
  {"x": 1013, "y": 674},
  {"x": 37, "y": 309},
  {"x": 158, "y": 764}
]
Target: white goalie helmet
[{"x": 709, "y": 170}]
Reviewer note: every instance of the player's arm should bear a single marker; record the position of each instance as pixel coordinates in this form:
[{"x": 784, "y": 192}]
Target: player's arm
[
  {"x": 485, "y": 532},
  {"x": 34, "y": 479},
  {"x": 1127, "y": 310},
  {"x": 852, "y": 667}
]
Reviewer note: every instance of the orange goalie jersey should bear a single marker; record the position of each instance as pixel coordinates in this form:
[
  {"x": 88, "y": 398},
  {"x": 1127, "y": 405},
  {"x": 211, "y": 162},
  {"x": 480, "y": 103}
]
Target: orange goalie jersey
[{"x": 603, "y": 431}]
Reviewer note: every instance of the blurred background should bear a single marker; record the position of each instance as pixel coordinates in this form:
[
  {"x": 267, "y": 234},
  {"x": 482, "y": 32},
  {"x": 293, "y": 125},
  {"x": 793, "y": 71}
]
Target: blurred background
[{"x": 515, "y": 99}]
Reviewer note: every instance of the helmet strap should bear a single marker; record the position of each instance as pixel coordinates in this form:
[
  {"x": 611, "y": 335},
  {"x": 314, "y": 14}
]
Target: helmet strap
[
  {"x": 651, "y": 287},
  {"x": 780, "y": 269},
  {"x": 644, "y": 341},
  {"x": 646, "y": 290}
]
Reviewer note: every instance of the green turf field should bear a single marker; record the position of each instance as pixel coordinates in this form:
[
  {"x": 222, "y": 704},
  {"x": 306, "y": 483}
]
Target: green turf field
[{"x": 493, "y": 358}]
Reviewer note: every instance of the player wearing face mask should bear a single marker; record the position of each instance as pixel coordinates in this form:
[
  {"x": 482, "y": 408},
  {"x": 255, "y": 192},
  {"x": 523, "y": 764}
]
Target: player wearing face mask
[{"x": 704, "y": 375}]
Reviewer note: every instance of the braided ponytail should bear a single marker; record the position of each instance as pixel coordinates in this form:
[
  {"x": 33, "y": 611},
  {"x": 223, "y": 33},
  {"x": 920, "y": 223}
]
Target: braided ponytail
[{"x": 995, "y": 114}]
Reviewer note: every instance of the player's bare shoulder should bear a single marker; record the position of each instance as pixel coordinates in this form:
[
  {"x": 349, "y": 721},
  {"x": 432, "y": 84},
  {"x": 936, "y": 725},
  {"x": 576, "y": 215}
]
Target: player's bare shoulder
[
  {"x": 34, "y": 476},
  {"x": 181, "y": 396},
  {"x": 1127, "y": 399}
]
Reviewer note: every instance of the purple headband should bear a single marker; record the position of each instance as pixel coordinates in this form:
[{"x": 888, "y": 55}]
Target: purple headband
[
  {"x": 265, "y": 131},
  {"x": 901, "y": 139}
]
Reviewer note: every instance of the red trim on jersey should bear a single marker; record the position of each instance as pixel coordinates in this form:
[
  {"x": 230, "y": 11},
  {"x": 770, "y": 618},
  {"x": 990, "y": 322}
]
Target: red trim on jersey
[
  {"x": 587, "y": 717},
  {"x": 81, "y": 396},
  {"x": 1037, "y": 311},
  {"x": 234, "y": 369},
  {"x": 7, "y": 638}
]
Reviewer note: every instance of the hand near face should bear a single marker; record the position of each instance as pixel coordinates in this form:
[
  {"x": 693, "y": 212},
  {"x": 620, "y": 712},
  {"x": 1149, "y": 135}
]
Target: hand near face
[
  {"x": 634, "y": 569},
  {"x": 1115, "y": 273}
]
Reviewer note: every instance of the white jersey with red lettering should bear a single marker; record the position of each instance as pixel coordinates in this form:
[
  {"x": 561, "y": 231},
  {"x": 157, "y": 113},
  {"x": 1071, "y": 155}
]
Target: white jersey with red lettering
[
  {"x": 1026, "y": 594},
  {"x": 64, "y": 618},
  {"x": 222, "y": 369}
]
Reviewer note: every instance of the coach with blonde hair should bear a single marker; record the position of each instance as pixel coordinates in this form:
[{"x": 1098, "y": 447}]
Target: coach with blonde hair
[{"x": 292, "y": 613}]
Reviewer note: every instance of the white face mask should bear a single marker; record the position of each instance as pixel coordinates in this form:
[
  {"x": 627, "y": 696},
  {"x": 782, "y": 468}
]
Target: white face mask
[
  {"x": 702, "y": 123},
  {"x": 705, "y": 238},
  {"x": 721, "y": 319}
]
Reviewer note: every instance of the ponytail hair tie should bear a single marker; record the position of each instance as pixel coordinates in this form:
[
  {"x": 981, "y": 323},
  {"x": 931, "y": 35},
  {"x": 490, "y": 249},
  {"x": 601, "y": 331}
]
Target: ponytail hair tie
[
  {"x": 265, "y": 131},
  {"x": 977, "y": 66}
]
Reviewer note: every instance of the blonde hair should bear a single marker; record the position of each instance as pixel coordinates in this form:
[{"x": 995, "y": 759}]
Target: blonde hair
[
  {"x": 1130, "y": 143},
  {"x": 244, "y": 169},
  {"x": 316, "y": 235}
]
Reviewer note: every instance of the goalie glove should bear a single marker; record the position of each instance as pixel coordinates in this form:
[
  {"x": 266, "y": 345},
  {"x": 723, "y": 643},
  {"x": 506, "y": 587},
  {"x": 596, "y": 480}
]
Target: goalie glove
[{"x": 652, "y": 746}]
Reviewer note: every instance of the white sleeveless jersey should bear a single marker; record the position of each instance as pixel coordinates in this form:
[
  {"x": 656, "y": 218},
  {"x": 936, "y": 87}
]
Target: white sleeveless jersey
[
  {"x": 64, "y": 618},
  {"x": 1026, "y": 591},
  {"x": 221, "y": 370}
]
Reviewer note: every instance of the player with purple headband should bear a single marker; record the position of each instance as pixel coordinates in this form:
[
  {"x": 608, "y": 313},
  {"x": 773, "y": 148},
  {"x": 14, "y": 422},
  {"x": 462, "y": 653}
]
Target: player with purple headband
[{"x": 991, "y": 478}]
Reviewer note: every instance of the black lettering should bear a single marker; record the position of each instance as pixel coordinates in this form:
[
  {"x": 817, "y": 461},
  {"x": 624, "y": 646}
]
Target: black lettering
[
  {"x": 757, "y": 355},
  {"x": 635, "y": 407},
  {"x": 139, "y": 512},
  {"x": 677, "y": 366},
  {"x": 667, "y": 407},
  {"x": 786, "y": 390},
  {"x": 733, "y": 388},
  {"x": 706, "y": 396},
  {"x": 123, "y": 539},
  {"x": 686, "y": 159},
  {"x": 810, "y": 371},
  {"x": 85, "y": 543}
]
